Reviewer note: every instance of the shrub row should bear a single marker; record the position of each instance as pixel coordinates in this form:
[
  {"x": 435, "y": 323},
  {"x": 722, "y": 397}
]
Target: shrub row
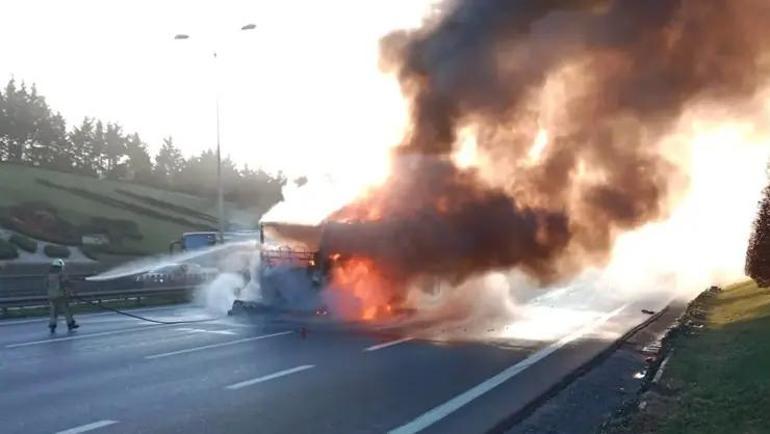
[
  {"x": 170, "y": 206},
  {"x": 8, "y": 250},
  {"x": 24, "y": 218},
  {"x": 54, "y": 251},
  {"x": 24, "y": 243},
  {"x": 93, "y": 252},
  {"x": 106, "y": 200},
  {"x": 116, "y": 229},
  {"x": 39, "y": 220}
]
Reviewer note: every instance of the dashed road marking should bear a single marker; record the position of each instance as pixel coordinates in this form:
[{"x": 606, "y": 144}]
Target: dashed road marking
[
  {"x": 216, "y": 332},
  {"x": 269, "y": 377},
  {"x": 88, "y": 427},
  {"x": 437, "y": 413},
  {"x": 388, "y": 344},
  {"x": 86, "y": 336},
  {"x": 222, "y": 344}
]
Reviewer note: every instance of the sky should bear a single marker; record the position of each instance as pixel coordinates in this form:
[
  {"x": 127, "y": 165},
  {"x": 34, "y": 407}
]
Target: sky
[{"x": 301, "y": 93}]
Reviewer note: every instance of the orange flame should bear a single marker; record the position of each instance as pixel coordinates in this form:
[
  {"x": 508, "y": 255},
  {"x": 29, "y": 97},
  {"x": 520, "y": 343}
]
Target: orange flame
[{"x": 366, "y": 294}]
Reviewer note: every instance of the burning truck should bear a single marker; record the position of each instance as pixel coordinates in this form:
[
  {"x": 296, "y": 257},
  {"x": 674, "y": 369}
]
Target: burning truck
[{"x": 301, "y": 268}]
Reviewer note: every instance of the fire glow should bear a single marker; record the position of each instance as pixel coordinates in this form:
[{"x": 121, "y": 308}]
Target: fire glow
[{"x": 363, "y": 288}]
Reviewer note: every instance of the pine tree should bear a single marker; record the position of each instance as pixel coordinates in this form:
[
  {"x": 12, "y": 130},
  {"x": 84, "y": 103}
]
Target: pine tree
[
  {"x": 81, "y": 140},
  {"x": 168, "y": 163},
  {"x": 758, "y": 254},
  {"x": 98, "y": 148},
  {"x": 22, "y": 112},
  {"x": 114, "y": 150},
  {"x": 139, "y": 164}
]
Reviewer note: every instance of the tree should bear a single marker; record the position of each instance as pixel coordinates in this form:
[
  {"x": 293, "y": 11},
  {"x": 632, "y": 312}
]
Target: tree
[
  {"x": 81, "y": 148},
  {"x": 55, "y": 138},
  {"x": 139, "y": 164},
  {"x": 114, "y": 151},
  {"x": 98, "y": 148},
  {"x": 30, "y": 132},
  {"x": 758, "y": 253},
  {"x": 258, "y": 189},
  {"x": 27, "y": 127},
  {"x": 168, "y": 163}
]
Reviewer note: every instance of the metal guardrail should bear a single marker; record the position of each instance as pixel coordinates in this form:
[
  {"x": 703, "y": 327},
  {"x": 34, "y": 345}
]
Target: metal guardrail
[
  {"x": 29, "y": 290},
  {"x": 37, "y": 300}
]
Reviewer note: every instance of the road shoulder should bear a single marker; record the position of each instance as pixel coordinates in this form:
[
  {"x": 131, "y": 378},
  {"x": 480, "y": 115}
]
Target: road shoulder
[
  {"x": 587, "y": 401},
  {"x": 716, "y": 376}
]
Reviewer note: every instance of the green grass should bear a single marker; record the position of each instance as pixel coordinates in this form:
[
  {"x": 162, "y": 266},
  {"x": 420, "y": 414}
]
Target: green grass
[
  {"x": 18, "y": 185},
  {"x": 720, "y": 375}
]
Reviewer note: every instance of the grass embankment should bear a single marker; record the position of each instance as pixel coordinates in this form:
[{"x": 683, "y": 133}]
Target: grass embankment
[
  {"x": 159, "y": 215},
  {"x": 718, "y": 377}
]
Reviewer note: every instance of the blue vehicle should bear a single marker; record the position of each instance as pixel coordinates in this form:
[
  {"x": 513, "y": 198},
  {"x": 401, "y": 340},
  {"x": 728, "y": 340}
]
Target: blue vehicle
[{"x": 194, "y": 241}]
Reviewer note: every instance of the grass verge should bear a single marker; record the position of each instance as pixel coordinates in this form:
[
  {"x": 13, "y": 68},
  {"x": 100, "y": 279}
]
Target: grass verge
[{"x": 718, "y": 377}]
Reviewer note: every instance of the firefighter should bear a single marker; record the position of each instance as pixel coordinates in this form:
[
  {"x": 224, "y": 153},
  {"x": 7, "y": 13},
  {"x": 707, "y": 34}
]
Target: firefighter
[{"x": 58, "y": 294}]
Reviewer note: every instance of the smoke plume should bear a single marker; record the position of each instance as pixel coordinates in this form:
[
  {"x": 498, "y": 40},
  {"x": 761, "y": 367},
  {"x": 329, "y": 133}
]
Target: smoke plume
[{"x": 568, "y": 103}]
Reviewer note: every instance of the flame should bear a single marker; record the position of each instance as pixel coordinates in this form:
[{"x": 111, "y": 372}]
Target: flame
[{"x": 364, "y": 292}]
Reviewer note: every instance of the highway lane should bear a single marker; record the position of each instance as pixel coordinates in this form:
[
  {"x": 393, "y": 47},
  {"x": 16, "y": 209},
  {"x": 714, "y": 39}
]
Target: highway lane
[{"x": 119, "y": 375}]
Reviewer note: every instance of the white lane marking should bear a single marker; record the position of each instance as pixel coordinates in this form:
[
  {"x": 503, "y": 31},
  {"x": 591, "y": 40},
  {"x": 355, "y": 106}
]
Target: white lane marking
[
  {"x": 661, "y": 368},
  {"x": 216, "y": 332},
  {"x": 91, "y": 335},
  {"x": 437, "y": 413},
  {"x": 388, "y": 344},
  {"x": 88, "y": 427},
  {"x": 229, "y": 323},
  {"x": 43, "y": 320},
  {"x": 222, "y": 344},
  {"x": 269, "y": 377}
]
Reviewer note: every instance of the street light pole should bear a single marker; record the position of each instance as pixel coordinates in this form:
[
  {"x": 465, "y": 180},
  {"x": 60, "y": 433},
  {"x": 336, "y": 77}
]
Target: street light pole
[{"x": 220, "y": 189}]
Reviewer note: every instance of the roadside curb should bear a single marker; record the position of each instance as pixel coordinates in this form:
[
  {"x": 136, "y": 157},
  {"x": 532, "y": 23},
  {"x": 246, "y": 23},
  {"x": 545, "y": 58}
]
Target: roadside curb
[
  {"x": 519, "y": 416},
  {"x": 685, "y": 323}
]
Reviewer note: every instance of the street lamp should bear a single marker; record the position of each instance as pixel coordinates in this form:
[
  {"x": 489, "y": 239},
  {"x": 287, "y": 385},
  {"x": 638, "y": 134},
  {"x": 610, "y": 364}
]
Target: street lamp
[{"x": 220, "y": 193}]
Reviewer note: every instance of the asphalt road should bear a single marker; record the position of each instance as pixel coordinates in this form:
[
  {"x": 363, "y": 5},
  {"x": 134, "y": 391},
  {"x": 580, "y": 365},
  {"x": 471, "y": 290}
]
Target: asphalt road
[{"x": 118, "y": 374}]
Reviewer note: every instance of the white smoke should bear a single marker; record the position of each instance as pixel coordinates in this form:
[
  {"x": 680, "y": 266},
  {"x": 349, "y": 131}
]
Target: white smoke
[
  {"x": 218, "y": 295},
  {"x": 238, "y": 280}
]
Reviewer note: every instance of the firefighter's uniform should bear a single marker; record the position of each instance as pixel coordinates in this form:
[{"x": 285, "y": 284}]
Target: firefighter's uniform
[{"x": 58, "y": 297}]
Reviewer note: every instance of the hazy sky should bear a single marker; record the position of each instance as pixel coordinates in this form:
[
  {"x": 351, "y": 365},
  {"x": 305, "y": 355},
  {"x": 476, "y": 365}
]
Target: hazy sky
[{"x": 300, "y": 92}]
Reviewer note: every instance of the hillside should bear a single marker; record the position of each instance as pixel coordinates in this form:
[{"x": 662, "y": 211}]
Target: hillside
[{"x": 61, "y": 207}]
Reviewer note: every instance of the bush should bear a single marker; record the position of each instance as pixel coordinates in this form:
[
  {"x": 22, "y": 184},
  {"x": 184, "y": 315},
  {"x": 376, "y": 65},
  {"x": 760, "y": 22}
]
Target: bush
[
  {"x": 116, "y": 229},
  {"x": 53, "y": 251},
  {"x": 8, "y": 250},
  {"x": 90, "y": 252},
  {"x": 24, "y": 243},
  {"x": 41, "y": 221}
]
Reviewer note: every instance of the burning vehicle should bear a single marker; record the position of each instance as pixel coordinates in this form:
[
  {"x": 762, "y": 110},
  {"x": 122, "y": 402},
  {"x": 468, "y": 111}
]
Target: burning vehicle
[{"x": 301, "y": 267}]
